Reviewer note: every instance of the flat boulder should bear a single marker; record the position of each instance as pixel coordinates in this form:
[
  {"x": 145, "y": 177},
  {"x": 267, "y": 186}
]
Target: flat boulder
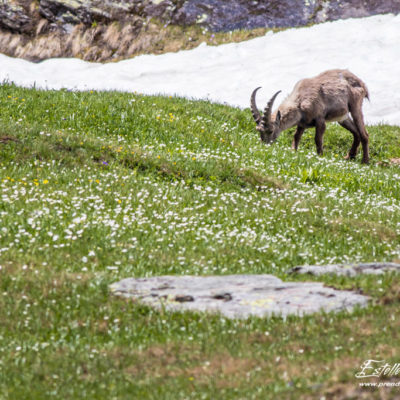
[{"x": 237, "y": 296}]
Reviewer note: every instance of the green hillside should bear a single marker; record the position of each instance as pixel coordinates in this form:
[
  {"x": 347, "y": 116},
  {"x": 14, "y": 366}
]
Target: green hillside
[{"x": 100, "y": 186}]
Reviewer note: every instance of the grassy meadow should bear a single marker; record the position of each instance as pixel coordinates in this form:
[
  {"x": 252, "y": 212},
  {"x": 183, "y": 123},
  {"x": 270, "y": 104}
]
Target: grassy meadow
[{"x": 101, "y": 186}]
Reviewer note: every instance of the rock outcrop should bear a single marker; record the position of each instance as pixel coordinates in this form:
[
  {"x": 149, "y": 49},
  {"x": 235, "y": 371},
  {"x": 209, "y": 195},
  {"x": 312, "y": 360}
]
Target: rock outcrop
[
  {"x": 93, "y": 29},
  {"x": 216, "y": 15}
]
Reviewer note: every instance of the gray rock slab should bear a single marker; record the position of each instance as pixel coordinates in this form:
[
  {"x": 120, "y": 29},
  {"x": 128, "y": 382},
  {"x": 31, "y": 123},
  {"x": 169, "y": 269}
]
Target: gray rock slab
[
  {"x": 237, "y": 296},
  {"x": 346, "y": 269}
]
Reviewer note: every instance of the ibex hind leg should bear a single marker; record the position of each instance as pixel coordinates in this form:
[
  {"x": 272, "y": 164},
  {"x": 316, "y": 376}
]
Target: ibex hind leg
[
  {"x": 359, "y": 123},
  {"x": 349, "y": 125}
]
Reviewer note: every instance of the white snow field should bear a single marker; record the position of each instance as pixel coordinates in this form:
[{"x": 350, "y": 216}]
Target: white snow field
[{"x": 369, "y": 47}]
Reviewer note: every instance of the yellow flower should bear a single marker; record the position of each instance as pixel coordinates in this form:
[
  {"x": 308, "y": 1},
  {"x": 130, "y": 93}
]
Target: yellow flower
[
  {"x": 45, "y": 181},
  {"x": 97, "y": 181}
]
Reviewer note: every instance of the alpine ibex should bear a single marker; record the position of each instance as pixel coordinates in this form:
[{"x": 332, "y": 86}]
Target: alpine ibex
[{"x": 328, "y": 97}]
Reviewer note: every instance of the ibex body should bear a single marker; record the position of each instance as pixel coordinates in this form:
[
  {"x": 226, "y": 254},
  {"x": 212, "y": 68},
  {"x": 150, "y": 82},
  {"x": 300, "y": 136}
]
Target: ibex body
[{"x": 334, "y": 95}]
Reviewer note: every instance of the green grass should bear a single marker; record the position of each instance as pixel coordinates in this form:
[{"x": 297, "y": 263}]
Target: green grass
[{"x": 97, "y": 187}]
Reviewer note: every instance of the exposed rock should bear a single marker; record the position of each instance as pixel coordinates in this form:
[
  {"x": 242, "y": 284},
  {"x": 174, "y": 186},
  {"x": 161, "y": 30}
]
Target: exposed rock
[
  {"x": 216, "y": 15},
  {"x": 163, "y": 10},
  {"x": 14, "y": 17},
  {"x": 225, "y": 15},
  {"x": 73, "y": 11},
  {"x": 332, "y": 10},
  {"x": 346, "y": 269},
  {"x": 90, "y": 11},
  {"x": 237, "y": 296},
  {"x": 38, "y": 30}
]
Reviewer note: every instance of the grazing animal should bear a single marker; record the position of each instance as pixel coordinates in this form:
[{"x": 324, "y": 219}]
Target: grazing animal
[{"x": 333, "y": 95}]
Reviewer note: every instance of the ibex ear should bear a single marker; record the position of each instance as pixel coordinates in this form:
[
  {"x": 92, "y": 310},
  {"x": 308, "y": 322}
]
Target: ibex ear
[{"x": 278, "y": 118}]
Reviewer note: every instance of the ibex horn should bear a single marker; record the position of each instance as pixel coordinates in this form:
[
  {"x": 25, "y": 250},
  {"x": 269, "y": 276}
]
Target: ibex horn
[
  {"x": 266, "y": 118},
  {"x": 253, "y": 106}
]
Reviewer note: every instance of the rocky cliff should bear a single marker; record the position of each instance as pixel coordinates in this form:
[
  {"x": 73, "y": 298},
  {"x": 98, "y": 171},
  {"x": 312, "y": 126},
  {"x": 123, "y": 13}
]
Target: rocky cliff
[{"x": 112, "y": 29}]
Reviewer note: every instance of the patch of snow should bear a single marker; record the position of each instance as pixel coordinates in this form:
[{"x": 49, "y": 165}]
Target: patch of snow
[{"x": 369, "y": 47}]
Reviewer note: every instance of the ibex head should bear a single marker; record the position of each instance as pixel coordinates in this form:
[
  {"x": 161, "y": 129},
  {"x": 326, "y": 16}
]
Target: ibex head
[{"x": 269, "y": 129}]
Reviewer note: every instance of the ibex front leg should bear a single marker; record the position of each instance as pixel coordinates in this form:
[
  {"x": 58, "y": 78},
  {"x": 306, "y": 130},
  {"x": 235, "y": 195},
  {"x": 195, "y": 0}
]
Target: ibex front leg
[
  {"x": 297, "y": 137},
  {"x": 319, "y": 135}
]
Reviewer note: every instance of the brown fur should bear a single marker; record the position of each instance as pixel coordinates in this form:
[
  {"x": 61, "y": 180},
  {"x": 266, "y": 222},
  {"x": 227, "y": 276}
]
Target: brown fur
[{"x": 333, "y": 95}]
